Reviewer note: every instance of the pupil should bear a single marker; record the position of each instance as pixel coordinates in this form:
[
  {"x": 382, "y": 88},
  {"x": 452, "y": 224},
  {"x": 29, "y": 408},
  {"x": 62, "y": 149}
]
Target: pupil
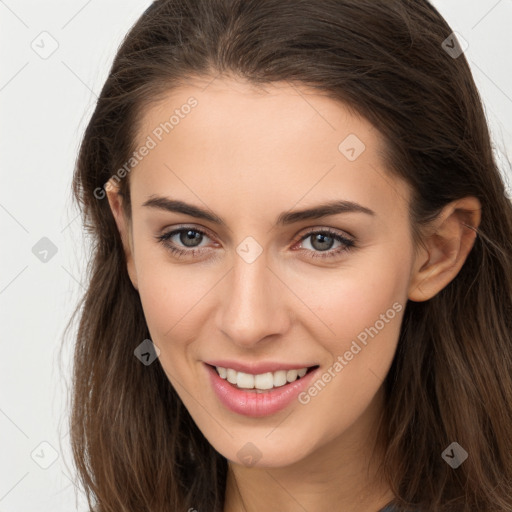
[{"x": 322, "y": 240}]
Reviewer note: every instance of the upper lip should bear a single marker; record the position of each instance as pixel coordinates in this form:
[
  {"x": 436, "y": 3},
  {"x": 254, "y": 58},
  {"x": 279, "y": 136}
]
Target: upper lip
[{"x": 258, "y": 368}]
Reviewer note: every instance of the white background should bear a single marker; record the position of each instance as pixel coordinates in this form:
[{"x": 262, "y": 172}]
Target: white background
[{"x": 45, "y": 106}]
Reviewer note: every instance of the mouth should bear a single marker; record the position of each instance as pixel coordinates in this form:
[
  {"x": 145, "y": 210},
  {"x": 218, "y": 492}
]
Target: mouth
[
  {"x": 259, "y": 390},
  {"x": 261, "y": 382}
]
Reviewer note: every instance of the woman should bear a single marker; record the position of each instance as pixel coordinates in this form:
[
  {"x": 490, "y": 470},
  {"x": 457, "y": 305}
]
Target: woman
[{"x": 301, "y": 282}]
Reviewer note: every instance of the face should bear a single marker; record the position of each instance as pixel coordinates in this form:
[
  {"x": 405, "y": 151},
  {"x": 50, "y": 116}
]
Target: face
[{"x": 232, "y": 275}]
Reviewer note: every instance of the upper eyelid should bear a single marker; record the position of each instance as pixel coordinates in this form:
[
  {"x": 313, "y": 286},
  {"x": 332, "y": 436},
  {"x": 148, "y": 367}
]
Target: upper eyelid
[
  {"x": 340, "y": 232},
  {"x": 178, "y": 229}
]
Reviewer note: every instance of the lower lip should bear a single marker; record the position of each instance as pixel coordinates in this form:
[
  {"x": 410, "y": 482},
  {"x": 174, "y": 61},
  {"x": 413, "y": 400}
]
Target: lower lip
[{"x": 250, "y": 403}]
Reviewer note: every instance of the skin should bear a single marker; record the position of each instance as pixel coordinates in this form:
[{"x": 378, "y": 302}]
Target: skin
[{"x": 247, "y": 155}]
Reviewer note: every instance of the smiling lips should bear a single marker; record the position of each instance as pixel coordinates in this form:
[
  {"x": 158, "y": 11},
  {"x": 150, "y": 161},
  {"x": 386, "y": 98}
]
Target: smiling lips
[{"x": 265, "y": 390}]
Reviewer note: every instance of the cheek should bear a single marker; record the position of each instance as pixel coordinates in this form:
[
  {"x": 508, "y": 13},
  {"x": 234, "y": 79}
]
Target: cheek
[
  {"x": 364, "y": 311},
  {"x": 164, "y": 292},
  {"x": 171, "y": 316},
  {"x": 171, "y": 300},
  {"x": 174, "y": 299},
  {"x": 356, "y": 296}
]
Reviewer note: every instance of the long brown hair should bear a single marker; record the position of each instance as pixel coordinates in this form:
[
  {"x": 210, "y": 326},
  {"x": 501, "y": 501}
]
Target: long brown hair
[{"x": 134, "y": 443}]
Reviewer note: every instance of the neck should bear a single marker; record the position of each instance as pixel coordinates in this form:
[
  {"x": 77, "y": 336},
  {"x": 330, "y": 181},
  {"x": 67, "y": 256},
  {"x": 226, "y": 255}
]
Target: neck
[{"x": 345, "y": 471}]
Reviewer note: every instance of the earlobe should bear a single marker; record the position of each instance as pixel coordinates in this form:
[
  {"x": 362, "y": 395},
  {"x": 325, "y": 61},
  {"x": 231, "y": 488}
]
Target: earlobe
[
  {"x": 116, "y": 206},
  {"x": 446, "y": 247}
]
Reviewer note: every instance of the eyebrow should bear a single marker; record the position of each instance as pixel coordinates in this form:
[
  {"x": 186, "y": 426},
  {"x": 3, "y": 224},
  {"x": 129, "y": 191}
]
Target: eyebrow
[{"x": 285, "y": 218}]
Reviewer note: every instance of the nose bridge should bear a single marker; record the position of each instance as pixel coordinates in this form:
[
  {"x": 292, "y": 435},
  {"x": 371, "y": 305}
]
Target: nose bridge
[{"x": 252, "y": 306}]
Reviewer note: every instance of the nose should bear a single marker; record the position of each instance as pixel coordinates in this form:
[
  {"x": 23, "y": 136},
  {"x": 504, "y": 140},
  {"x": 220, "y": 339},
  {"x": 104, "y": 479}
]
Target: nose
[{"x": 254, "y": 304}]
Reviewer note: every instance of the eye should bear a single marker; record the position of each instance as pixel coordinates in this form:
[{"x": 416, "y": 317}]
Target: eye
[
  {"x": 322, "y": 241},
  {"x": 183, "y": 241},
  {"x": 186, "y": 241}
]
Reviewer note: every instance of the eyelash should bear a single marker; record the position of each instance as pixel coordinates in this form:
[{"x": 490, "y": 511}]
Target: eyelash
[{"x": 348, "y": 244}]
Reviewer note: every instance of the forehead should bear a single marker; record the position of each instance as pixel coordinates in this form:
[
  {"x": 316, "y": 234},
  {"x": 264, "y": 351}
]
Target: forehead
[
  {"x": 229, "y": 137},
  {"x": 278, "y": 108}
]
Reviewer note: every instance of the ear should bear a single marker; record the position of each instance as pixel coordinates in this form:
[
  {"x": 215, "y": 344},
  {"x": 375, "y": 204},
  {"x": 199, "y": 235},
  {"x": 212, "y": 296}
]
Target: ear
[
  {"x": 448, "y": 241},
  {"x": 115, "y": 201}
]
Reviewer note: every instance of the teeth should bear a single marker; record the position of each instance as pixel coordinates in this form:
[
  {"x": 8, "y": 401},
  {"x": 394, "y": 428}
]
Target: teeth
[
  {"x": 264, "y": 381},
  {"x": 231, "y": 375},
  {"x": 291, "y": 375},
  {"x": 244, "y": 380},
  {"x": 280, "y": 378},
  {"x": 261, "y": 381}
]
